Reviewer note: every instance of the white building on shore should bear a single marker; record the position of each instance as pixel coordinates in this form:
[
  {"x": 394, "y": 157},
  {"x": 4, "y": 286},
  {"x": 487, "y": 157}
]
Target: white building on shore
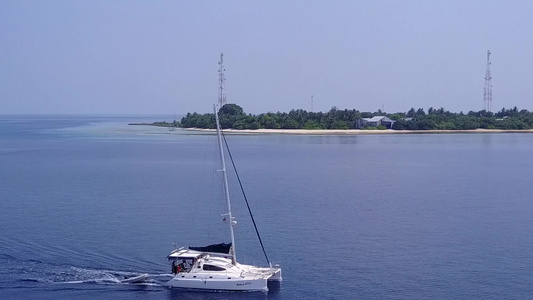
[{"x": 374, "y": 122}]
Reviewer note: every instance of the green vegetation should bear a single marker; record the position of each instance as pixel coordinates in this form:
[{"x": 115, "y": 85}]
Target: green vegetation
[
  {"x": 440, "y": 119},
  {"x": 233, "y": 116}
]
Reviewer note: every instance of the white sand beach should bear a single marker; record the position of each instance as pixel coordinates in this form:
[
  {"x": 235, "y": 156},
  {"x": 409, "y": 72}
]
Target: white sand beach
[{"x": 355, "y": 131}]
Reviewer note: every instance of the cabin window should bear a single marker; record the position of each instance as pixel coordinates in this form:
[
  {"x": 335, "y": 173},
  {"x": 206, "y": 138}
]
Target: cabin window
[{"x": 213, "y": 268}]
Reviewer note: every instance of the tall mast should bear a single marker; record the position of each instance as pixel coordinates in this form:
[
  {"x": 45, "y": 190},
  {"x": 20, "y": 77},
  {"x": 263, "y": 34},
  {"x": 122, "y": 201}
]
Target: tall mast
[
  {"x": 231, "y": 219},
  {"x": 487, "y": 90},
  {"x": 221, "y": 82}
]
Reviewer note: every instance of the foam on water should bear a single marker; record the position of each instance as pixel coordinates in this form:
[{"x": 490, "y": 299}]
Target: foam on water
[
  {"x": 77, "y": 275},
  {"x": 34, "y": 270}
]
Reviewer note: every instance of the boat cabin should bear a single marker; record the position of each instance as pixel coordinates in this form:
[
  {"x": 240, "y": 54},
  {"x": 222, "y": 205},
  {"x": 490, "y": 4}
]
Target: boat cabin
[
  {"x": 216, "y": 258},
  {"x": 183, "y": 260}
]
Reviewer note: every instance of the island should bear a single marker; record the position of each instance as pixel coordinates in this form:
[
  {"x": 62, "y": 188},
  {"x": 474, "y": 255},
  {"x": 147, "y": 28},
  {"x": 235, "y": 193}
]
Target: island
[{"x": 336, "y": 121}]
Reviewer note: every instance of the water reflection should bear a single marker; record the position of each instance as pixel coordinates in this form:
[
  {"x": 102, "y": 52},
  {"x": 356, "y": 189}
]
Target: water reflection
[
  {"x": 312, "y": 139},
  {"x": 487, "y": 139}
]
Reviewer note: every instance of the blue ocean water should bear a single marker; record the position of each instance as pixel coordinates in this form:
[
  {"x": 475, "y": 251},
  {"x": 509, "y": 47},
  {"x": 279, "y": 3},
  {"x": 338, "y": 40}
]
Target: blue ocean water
[{"x": 88, "y": 200}]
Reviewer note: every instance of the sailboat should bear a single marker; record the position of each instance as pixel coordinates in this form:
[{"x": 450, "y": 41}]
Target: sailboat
[{"x": 215, "y": 267}]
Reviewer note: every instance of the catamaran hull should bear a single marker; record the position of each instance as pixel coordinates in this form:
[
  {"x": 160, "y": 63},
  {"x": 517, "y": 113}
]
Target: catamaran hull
[
  {"x": 276, "y": 276},
  {"x": 219, "y": 284}
]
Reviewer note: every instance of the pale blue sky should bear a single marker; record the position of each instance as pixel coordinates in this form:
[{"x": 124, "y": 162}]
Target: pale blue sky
[{"x": 161, "y": 56}]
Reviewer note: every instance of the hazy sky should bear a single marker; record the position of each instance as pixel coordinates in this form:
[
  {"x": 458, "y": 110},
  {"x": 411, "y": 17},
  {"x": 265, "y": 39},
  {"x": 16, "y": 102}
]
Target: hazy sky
[{"x": 161, "y": 56}]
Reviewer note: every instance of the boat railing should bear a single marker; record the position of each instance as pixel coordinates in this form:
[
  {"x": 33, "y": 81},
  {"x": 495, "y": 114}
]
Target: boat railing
[{"x": 217, "y": 254}]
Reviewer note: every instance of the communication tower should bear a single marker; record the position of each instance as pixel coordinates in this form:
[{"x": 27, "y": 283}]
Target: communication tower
[
  {"x": 221, "y": 82},
  {"x": 487, "y": 91}
]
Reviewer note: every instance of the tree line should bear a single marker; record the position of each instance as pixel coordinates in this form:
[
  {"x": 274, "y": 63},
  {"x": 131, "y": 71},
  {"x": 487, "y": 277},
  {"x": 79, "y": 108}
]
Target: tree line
[{"x": 232, "y": 116}]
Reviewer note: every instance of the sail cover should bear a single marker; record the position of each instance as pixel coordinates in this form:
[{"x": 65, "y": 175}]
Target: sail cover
[{"x": 217, "y": 248}]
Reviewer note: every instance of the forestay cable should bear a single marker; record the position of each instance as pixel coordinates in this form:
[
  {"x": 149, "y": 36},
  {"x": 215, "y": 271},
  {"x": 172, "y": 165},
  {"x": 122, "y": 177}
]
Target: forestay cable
[{"x": 245, "y": 198}]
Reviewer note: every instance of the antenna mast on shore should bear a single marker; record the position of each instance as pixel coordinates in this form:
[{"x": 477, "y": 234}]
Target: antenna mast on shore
[
  {"x": 221, "y": 82},
  {"x": 487, "y": 91}
]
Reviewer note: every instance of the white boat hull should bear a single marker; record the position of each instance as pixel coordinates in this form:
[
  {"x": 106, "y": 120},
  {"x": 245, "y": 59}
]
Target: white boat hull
[
  {"x": 223, "y": 283},
  {"x": 214, "y": 271}
]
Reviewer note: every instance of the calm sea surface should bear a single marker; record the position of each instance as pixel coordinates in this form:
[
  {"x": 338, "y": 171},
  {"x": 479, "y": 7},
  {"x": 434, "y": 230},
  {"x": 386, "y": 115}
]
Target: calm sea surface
[{"x": 86, "y": 201}]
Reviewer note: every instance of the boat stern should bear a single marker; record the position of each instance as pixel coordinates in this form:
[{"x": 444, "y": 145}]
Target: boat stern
[{"x": 276, "y": 275}]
